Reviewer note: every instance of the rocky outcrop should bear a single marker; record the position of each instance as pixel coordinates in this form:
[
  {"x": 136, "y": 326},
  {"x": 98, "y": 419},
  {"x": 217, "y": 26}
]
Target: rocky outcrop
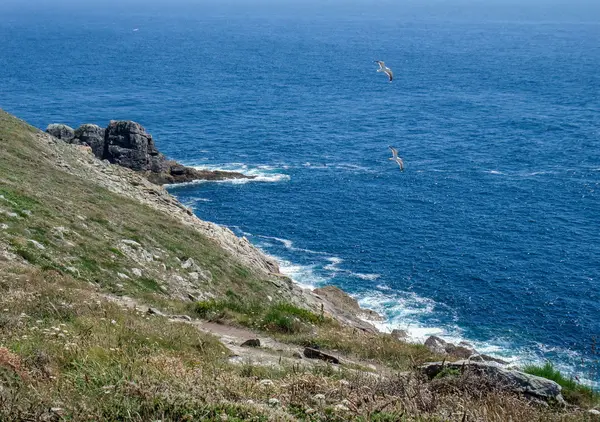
[
  {"x": 174, "y": 172},
  {"x": 511, "y": 380},
  {"x": 345, "y": 303},
  {"x": 127, "y": 144},
  {"x": 92, "y": 136},
  {"x": 401, "y": 335},
  {"x": 442, "y": 347},
  {"x": 59, "y": 131},
  {"x": 463, "y": 350}
]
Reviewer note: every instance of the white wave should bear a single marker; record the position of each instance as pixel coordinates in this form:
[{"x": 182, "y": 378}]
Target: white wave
[
  {"x": 353, "y": 168},
  {"x": 261, "y": 173},
  {"x": 303, "y": 275},
  {"x": 194, "y": 201},
  {"x": 288, "y": 244},
  {"x": 494, "y": 172},
  {"x": 334, "y": 261},
  {"x": 371, "y": 277}
]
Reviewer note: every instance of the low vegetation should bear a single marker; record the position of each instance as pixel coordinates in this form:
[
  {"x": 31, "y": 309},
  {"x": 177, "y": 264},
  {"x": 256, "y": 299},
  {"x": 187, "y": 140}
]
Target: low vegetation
[{"x": 573, "y": 391}]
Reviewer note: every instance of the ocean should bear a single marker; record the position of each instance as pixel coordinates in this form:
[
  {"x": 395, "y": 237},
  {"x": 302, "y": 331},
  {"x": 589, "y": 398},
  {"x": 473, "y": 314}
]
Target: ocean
[{"x": 492, "y": 232}]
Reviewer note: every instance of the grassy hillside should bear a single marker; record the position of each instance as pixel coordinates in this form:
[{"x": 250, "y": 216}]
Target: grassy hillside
[{"x": 80, "y": 262}]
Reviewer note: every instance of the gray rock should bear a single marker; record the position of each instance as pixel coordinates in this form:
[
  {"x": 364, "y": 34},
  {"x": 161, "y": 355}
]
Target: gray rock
[
  {"x": 37, "y": 244},
  {"x": 436, "y": 345},
  {"x": 182, "y": 317},
  {"x": 253, "y": 342},
  {"x": 92, "y": 136},
  {"x": 190, "y": 264},
  {"x": 60, "y": 131},
  {"x": 129, "y": 145},
  {"x": 401, "y": 335},
  {"x": 311, "y": 353},
  {"x": 154, "y": 311},
  {"x": 487, "y": 358},
  {"x": 442, "y": 347},
  {"x": 594, "y": 412},
  {"x": 346, "y": 303},
  {"x": 516, "y": 381}
]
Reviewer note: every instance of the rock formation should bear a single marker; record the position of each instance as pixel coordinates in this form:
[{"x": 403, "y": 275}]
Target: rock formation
[
  {"x": 463, "y": 350},
  {"x": 127, "y": 144},
  {"x": 345, "y": 303},
  {"x": 92, "y": 136},
  {"x": 516, "y": 381},
  {"x": 62, "y": 132}
]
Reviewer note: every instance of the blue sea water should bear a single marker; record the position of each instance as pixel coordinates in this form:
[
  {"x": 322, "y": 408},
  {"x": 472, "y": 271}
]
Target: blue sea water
[{"x": 492, "y": 234}]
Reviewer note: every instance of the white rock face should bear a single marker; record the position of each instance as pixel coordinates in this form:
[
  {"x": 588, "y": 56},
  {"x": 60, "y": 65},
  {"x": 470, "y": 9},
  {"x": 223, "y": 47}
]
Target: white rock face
[
  {"x": 36, "y": 244},
  {"x": 136, "y": 272}
]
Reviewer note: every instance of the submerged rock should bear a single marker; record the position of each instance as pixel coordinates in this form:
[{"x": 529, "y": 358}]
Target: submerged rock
[{"x": 516, "y": 381}]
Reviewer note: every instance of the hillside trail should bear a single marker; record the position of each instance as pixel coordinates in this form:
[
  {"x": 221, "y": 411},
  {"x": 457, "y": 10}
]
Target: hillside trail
[{"x": 271, "y": 353}]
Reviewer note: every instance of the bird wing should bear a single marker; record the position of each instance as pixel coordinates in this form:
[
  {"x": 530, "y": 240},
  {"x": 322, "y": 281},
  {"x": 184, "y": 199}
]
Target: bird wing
[
  {"x": 390, "y": 74},
  {"x": 400, "y": 163},
  {"x": 394, "y": 152},
  {"x": 380, "y": 63}
]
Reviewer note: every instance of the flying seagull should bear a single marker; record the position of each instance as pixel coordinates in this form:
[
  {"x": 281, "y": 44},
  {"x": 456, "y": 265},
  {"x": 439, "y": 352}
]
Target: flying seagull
[
  {"x": 396, "y": 158},
  {"x": 383, "y": 68}
]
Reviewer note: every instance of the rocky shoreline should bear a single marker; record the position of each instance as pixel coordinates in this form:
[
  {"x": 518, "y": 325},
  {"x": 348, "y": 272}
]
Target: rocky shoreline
[{"x": 127, "y": 144}]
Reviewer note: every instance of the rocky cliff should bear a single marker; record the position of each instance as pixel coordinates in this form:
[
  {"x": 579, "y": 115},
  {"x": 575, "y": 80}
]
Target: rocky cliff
[{"x": 127, "y": 144}]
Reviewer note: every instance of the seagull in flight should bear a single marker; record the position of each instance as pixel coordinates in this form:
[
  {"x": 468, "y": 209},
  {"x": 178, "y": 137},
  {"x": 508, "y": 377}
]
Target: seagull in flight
[
  {"x": 383, "y": 68},
  {"x": 397, "y": 159}
]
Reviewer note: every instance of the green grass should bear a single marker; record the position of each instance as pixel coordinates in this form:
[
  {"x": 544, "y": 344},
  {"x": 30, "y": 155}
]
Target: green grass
[
  {"x": 572, "y": 391},
  {"x": 96, "y": 221},
  {"x": 275, "y": 318}
]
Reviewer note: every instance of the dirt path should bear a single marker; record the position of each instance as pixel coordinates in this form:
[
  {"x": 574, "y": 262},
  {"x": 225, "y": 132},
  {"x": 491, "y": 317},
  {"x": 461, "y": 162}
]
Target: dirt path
[{"x": 271, "y": 353}]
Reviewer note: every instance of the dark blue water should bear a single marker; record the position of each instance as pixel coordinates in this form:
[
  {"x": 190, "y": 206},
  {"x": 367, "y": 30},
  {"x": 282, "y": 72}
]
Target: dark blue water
[{"x": 492, "y": 233}]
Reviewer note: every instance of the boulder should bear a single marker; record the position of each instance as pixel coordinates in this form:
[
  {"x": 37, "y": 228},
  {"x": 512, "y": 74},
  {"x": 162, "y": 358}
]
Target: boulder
[
  {"x": 442, "y": 347},
  {"x": 129, "y": 145},
  {"x": 253, "y": 342},
  {"x": 436, "y": 345},
  {"x": 92, "y": 136},
  {"x": 401, "y": 335},
  {"x": 60, "y": 131},
  {"x": 510, "y": 380},
  {"x": 311, "y": 353}
]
